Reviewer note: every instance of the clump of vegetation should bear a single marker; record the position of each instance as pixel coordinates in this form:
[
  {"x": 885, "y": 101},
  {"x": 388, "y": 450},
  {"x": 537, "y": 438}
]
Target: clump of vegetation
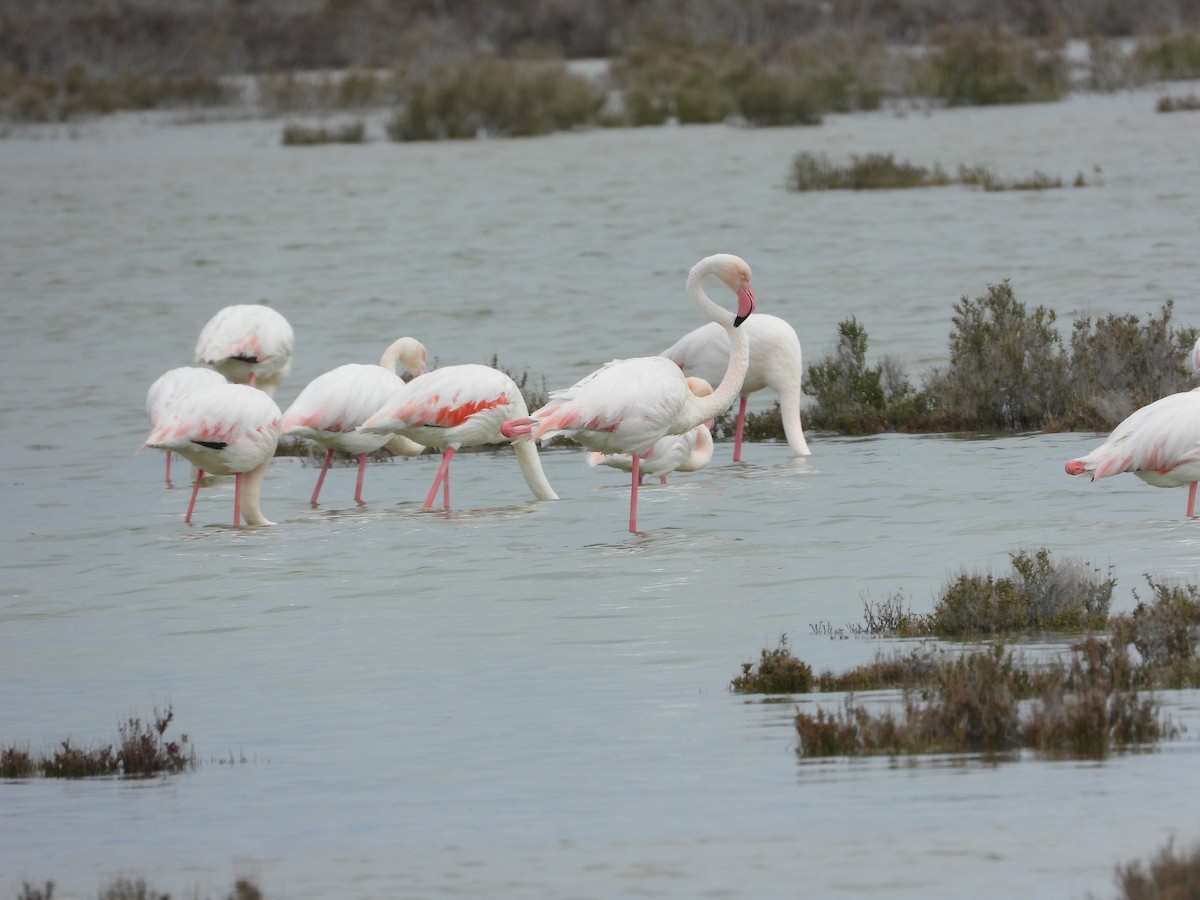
[
  {"x": 815, "y": 172},
  {"x": 142, "y": 751},
  {"x": 75, "y": 92},
  {"x": 1009, "y": 371},
  {"x": 1170, "y": 56},
  {"x": 310, "y": 136},
  {"x": 1185, "y": 103},
  {"x": 1165, "y": 632},
  {"x": 971, "y": 704},
  {"x": 854, "y": 398},
  {"x": 779, "y": 672},
  {"x": 138, "y": 889},
  {"x": 980, "y": 65},
  {"x": 1170, "y": 875},
  {"x": 495, "y": 97},
  {"x": 281, "y": 93},
  {"x": 1042, "y": 597}
]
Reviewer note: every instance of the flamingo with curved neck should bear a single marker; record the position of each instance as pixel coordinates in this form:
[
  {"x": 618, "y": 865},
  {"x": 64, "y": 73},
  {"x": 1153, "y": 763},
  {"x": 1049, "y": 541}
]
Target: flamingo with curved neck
[{"x": 628, "y": 404}]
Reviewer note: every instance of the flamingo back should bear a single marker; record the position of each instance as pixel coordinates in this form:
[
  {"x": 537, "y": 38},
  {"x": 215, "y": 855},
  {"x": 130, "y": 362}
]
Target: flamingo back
[{"x": 223, "y": 429}]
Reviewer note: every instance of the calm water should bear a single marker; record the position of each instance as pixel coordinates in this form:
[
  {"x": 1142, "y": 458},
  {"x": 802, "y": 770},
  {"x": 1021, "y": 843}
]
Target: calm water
[{"x": 521, "y": 699}]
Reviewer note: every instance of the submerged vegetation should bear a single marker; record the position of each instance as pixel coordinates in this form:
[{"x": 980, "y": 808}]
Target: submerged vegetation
[
  {"x": 142, "y": 750},
  {"x": 992, "y": 699},
  {"x": 876, "y": 171},
  {"x": 137, "y": 889}
]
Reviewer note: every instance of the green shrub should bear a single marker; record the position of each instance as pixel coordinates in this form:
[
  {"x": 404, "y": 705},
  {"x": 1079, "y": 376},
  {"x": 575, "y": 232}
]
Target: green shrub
[{"x": 979, "y": 65}]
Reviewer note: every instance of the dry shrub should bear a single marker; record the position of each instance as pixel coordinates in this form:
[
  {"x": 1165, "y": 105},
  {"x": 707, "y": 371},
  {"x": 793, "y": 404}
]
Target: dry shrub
[
  {"x": 979, "y": 65},
  {"x": 1169, "y": 876},
  {"x": 779, "y": 672}
]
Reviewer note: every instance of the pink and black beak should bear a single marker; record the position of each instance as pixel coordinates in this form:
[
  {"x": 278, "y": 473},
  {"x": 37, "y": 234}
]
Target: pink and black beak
[{"x": 746, "y": 303}]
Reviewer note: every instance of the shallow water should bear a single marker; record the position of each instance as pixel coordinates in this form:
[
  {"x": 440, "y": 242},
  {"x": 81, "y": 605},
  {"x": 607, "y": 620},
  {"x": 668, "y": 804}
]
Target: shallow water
[{"x": 520, "y": 698}]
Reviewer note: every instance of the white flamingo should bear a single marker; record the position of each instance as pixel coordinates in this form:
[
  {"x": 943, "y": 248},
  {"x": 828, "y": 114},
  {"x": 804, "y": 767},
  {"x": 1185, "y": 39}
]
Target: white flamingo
[
  {"x": 775, "y": 363},
  {"x": 248, "y": 344},
  {"x": 1159, "y": 443},
  {"x": 169, "y": 387},
  {"x": 628, "y": 404},
  {"x": 333, "y": 405},
  {"x": 460, "y": 406},
  {"x": 225, "y": 429},
  {"x": 689, "y": 452}
]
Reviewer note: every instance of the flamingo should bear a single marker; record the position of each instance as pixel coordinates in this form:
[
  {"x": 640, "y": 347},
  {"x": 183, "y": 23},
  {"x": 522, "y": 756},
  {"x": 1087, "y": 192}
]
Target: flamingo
[
  {"x": 457, "y": 406},
  {"x": 248, "y": 344},
  {"x": 628, "y": 404},
  {"x": 225, "y": 429},
  {"x": 775, "y": 363},
  {"x": 1159, "y": 443},
  {"x": 689, "y": 452},
  {"x": 169, "y": 387},
  {"x": 332, "y": 406}
]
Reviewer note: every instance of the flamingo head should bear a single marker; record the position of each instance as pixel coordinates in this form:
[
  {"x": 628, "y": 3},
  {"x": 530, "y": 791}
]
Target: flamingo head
[
  {"x": 735, "y": 273},
  {"x": 408, "y": 352}
]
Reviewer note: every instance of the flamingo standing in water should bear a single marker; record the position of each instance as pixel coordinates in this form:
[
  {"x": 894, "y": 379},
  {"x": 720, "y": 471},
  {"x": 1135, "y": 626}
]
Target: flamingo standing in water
[
  {"x": 689, "y": 452},
  {"x": 628, "y": 404},
  {"x": 332, "y": 406},
  {"x": 248, "y": 344},
  {"x": 169, "y": 387},
  {"x": 460, "y": 406},
  {"x": 775, "y": 363},
  {"x": 225, "y": 429},
  {"x": 1159, "y": 443}
]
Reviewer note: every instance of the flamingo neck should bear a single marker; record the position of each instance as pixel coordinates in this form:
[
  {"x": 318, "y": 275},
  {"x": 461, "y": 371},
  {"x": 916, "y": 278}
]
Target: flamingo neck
[{"x": 701, "y": 409}]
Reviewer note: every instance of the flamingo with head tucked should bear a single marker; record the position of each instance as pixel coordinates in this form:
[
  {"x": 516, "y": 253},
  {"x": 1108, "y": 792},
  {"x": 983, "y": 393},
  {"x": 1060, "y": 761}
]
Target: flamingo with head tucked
[
  {"x": 248, "y": 344},
  {"x": 169, "y": 387},
  {"x": 689, "y": 452},
  {"x": 225, "y": 429},
  {"x": 333, "y": 405},
  {"x": 628, "y": 404},
  {"x": 1159, "y": 443},
  {"x": 460, "y": 406},
  {"x": 775, "y": 363}
]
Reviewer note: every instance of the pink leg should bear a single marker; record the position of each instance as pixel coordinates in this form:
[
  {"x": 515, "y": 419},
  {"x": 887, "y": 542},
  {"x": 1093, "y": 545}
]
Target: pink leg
[
  {"x": 168, "y": 468},
  {"x": 362, "y": 468},
  {"x": 633, "y": 492},
  {"x": 195, "y": 490},
  {"x": 662, "y": 479},
  {"x": 443, "y": 477},
  {"x": 237, "y": 499},
  {"x": 321, "y": 478},
  {"x": 737, "y": 435},
  {"x": 253, "y": 379},
  {"x": 1192, "y": 501}
]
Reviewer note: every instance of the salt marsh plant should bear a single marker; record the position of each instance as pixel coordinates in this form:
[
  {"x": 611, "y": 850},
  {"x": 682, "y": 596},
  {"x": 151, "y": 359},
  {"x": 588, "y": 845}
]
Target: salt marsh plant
[
  {"x": 980, "y": 65},
  {"x": 311, "y": 136},
  {"x": 496, "y": 97},
  {"x": 871, "y": 171},
  {"x": 1170, "y": 875},
  {"x": 142, "y": 751},
  {"x": 779, "y": 672}
]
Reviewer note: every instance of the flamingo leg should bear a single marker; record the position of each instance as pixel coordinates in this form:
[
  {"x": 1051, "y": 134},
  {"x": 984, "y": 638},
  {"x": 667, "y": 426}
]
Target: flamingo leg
[
  {"x": 1191, "y": 511},
  {"x": 662, "y": 479},
  {"x": 737, "y": 435},
  {"x": 168, "y": 468},
  {"x": 633, "y": 492},
  {"x": 321, "y": 478},
  {"x": 253, "y": 378},
  {"x": 442, "y": 478},
  {"x": 362, "y": 468},
  {"x": 195, "y": 490},
  {"x": 237, "y": 500}
]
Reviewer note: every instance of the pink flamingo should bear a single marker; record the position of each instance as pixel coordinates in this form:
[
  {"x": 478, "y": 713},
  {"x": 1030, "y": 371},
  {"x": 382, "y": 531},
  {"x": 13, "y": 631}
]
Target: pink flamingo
[
  {"x": 172, "y": 385},
  {"x": 689, "y": 452},
  {"x": 775, "y": 363},
  {"x": 459, "y": 406},
  {"x": 248, "y": 344},
  {"x": 332, "y": 406},
  {"x": 628, "y": 404},
  {"x": 225, "y": 429},
  {"x": 1159, "y": 443}
]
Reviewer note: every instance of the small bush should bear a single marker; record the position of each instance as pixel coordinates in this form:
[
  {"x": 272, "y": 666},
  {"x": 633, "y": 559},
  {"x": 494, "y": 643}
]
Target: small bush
[
  {"x": 779, "y": 672},
  {"x": 978, "y": 65},
  {"x": 1165, "y": 633},
  {"x": 1188, "y": 103},
  {"x": 1169, "y": 876},
  {"x": 306, "y": 136},
  {"x": 1171, "y": 56}
]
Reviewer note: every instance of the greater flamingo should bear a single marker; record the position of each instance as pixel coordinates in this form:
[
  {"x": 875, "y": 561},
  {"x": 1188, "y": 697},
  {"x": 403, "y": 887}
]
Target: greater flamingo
[
  {"x": 332, "y": 406},
  {"x": 169, "y": 387},
  {"x": 628, "y": 404},
  {"x": 457, "y": 406},
  {"x": 248, "y": 344},
  {"x": 1159, "y": 443},
  {"x": 225, "y": 429},
  {"x": 775, "y": 363},
  {"x": 689, "y": 452}
]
